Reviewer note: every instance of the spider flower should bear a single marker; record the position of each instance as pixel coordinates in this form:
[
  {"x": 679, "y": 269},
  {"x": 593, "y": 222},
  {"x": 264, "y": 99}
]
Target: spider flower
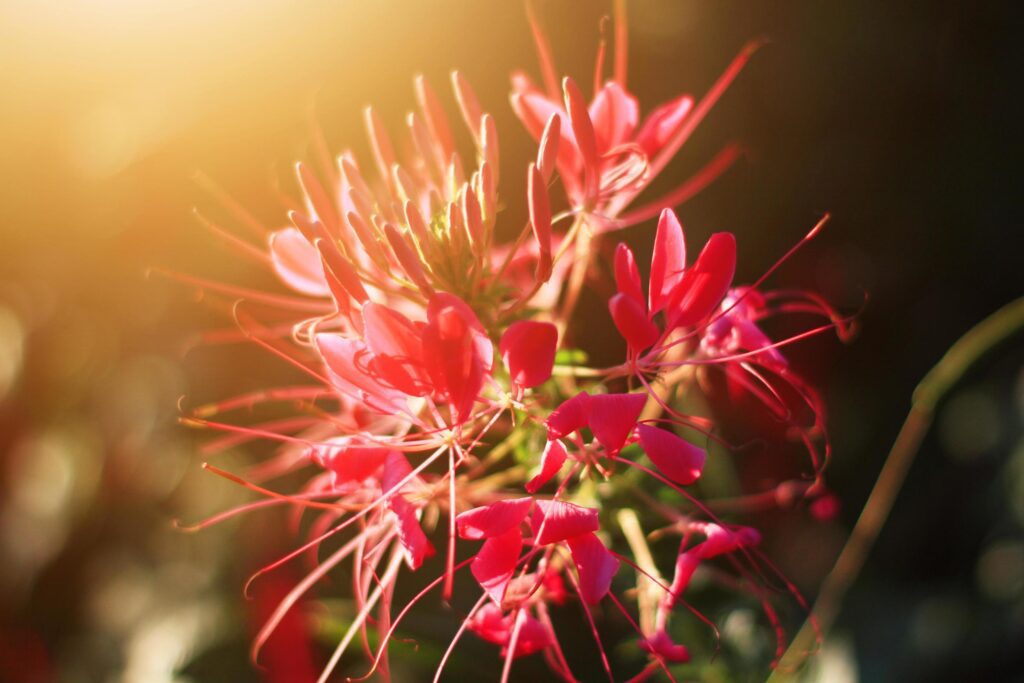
[{"x": 444, "y": 412}]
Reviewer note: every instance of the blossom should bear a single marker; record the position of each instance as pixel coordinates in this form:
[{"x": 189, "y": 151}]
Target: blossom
[{"x": 443, "y": 409}]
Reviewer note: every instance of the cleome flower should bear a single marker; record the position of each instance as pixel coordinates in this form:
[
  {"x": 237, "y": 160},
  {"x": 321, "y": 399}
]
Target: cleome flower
[{"x": 446, "y": 429}]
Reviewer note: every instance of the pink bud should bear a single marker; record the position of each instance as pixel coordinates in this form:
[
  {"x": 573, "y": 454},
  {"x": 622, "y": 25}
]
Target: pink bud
[
  {"x": 627, "y": 275},
  {"x": 469, "y": 105},
  {"x": 540, "y": 220},
  {"x": 297, "y": 262},
  {"x": 408, "y": 259},
  {"x": 547, "y": 152}
]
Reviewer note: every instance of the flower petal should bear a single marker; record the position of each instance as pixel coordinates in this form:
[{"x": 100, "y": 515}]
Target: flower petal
[
  {"x": 632, "y": 323},
  {"x": 456, "y": 352},
  {"x": 705, "y": 283},
  {"x": 627, "y": 275},
  {"x": 348, "y": 459},
  {"x": 495, "y": 564},
  {"x": 492, "y": 520},
  {"x": 613, "y": 417},
  {"x": 667, "y": 260},
  {"x": 528, "y": 349},
  {"x": 570, "y": 416},
  {"x": 675, "y": 457},
  {"x": 596, "y": 566},
  {"x": 297, "y": 262},
  {"x": 662, "y": 123},
  {"x": 615, "y": 113},
  {"x": 347, "y": 363},
  {"x": 551, "y": 462},
  {"x": 556, "y": 520}
]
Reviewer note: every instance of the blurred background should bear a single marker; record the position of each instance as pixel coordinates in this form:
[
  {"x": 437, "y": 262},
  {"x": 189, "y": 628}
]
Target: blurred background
[{"x": 901, "y": 119}]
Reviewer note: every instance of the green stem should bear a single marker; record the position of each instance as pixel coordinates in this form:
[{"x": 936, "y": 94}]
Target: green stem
[{"x": 982, "y": 338}]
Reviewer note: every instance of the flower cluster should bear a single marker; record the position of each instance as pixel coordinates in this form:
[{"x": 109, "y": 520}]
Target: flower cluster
[{"x": 446, "y": 406}]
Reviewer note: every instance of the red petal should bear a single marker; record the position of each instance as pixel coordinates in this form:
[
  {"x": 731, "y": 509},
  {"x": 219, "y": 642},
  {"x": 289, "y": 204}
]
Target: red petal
[
  {"x": 676, "y": 458},
  {"x": 570, "y": 416},
  {"x": 551, "y": 462},
  {"x": 595, "y": 565},
  {"x": 615, "y": 113},
  {"x": 347, "y": 363},
  {"x": 705, "y": 283},
  {"x": 414, "y": 542},
  {"x": 297, "y": 262},
  {"x": 632, "y": 323},
  {"x": 528, "y": 349},
  {"x": 397, "y": 346},
  {"x": 492, "y": 520},
  {"x": 349, "y": 460},
  {"x": 613, "y": 417},
  {"x": 661, "y": 644},
  {"x": 661, "y": 125},
  {"x": 456, "y": 352},
  {"x": 556, "y": 520},
  {"x": 627, "y": 276},
  {"x": 495, "y": 564},
  {"x": 582, "y": 126},
  {"x": 667, "y": 261}
]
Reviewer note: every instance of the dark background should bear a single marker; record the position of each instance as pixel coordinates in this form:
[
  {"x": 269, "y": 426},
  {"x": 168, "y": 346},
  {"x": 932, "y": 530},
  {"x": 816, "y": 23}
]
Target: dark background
[{"x": 900, "y": 119}]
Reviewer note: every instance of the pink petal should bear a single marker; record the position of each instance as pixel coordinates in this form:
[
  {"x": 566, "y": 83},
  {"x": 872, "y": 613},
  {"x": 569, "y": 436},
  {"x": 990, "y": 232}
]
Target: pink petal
[
  {"x": 570, "y": 416},
  {"x": 492, "y": 520},
  {"x": 667, "y": 260},
  {"x": 627, "y": 276},
  {"x": 675, "y": 457},
  {"x": 348, "y": 460},
  {"x": 615, "y": 113},
  {"x": 534, "y": 636},
  {"x": 661, "y": 644},
  {"x": 596, "y": 566},
  {"x": 410, "y": 535},
  {"x": 704, "y": 284},
  {"x": 347, "y": 363},
  {"x": 613, "y": 417},
  {"x": 397, "y": 346},
  {"x": 297, "y": 262},
  {"x": 495, "y": 564},
  {"x": 661, "y": 125},
  {"x": 551, "y": 462},
  {"x": 528, "y": 349},
  {"x": 556, "y": 520},
  {"x": 632, "y": 322},
  {"x": 490, "y": 623},
  {"x": 456, "y": 352}
]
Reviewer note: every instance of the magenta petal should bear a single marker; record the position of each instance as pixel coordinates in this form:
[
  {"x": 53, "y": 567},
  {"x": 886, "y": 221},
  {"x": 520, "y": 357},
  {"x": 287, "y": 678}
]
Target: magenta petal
[
  {"x": 348, "y": 367},
  {"x": 556, "y": 520},
  {"x": 551, "y": 462},
  {"x": 348, "y": 460},
  {"x": 627, "y": 275},
  {"x": 675, "y": 457},
  {"x": 410, "y": 535},
  {"x": 613, "y": 417},
  {"x": 615, "y": 113},
  {"x": 632, "y": 323},
  {"x": 704, "y": 284},
  {"x": 667, "y": 260},
  {"x": 661, "y": 644},
  {"x": 528, "y": 349},
  {"x": 662, "y": 124},
  {"x": 495, "y": 564},
  {"x": 534, "y": 636},
  {"x": 456, "y": 352},
  {"x": 297, "y": 262},
  {"x": 492, "y": 520},
  {"x": 570, "y": 416},
  {"x": 490, "y": 623},
  {"x": 596, "y": 566},
  {"x": 397, "y": 346}
]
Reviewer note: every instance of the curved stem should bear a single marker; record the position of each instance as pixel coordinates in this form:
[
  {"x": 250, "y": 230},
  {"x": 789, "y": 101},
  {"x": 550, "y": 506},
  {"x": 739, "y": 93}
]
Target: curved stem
[{"x": 982, "y": 338}]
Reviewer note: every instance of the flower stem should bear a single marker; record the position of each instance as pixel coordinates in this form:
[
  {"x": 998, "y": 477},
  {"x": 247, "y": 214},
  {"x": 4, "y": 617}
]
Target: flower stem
[{"x": 982, "y": 338}]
